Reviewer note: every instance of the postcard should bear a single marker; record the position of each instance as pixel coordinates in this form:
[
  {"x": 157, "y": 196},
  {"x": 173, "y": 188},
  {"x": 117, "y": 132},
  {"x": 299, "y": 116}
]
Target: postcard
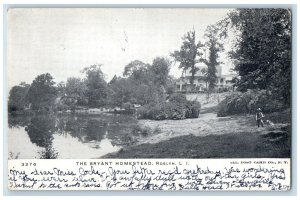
[{"x": 195, "y": 99}]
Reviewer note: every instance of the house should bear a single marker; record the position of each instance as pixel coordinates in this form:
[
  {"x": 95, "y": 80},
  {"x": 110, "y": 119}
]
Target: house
[{"x": 224, "y": 81}]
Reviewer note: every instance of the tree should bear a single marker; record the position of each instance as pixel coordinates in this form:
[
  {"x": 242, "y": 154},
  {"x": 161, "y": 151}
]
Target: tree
[
  {"x": 137, "y": 70},
  {"x": 42, "y": 93},
  {"x": 61, "y": 88},
  {"x": 144, "y": 83},
  {"x": 159, "y": 71},
  {"x": 214, "y": 47},
  {"x": 76, "y": 91},
  {"x": 187, "y": 56},
  {"x": 121, "y": 91},
  {"x": 17, "y": 97},
  {"x": 263, "y": 50},
  {"x": 133, "y": 67},
  {"x": 113, "y": 80},
  {"x": 96, "y": 86}
]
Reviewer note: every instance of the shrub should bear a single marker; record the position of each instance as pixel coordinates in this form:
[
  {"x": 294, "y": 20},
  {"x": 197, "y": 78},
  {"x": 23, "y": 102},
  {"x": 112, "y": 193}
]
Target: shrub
[
  {"x": 193, "y": 109},
  {"x": 178, "y": 98},
  {"x": 144, "y": 131},
  {"x": 234, "y": 104},
  {"x": 127, "y": 106},
  {"x": 156, "y": 112},
  {"x": 248, "y": 102},
  {"x": 143, "y": 112},
  {"x": 177, "y": 108},
  {"x": 136, "y": 130},
  {"x": 156, "y": 130}
]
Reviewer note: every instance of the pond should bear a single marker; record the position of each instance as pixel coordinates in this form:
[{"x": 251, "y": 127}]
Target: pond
[{"x": 66, "y": 136}]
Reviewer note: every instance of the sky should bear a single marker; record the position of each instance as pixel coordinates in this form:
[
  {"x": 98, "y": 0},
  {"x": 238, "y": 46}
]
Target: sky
[{"x": 63, "y": 41}]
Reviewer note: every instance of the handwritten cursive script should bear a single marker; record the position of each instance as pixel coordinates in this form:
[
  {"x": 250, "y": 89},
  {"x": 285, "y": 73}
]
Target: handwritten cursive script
[{"x": 178, "y": 176}]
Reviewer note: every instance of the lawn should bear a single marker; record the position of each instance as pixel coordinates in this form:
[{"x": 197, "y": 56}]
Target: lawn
[{"x": 213, "y": 137}]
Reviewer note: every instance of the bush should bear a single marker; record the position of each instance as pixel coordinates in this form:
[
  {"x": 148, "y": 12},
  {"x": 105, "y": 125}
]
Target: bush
[
  {"x": 177, "y": 108},
  {"x": 234, "y": 104},
  {"x": 178, "y": 98},
  {"x": 248, "y": 102},
  {"x": 144, "y": 131},
  {"x": 193, "y": 109},
  {"x": 158, "y": 112},
  {"x": 127, "y": 106}
]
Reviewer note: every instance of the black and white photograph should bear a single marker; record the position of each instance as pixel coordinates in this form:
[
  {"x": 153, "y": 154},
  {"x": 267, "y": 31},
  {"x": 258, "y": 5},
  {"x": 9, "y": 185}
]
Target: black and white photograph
[{"x": 128, "y": 83}]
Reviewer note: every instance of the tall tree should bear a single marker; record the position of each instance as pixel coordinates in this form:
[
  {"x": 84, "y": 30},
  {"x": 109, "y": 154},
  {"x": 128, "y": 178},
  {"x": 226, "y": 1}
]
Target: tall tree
[
  {"x": 187, "y": 55},
  {"x": 159, "y": 71},
  {"x": 133, "y": 68},
  {"x": 144, "y": 83},
  {"x": 42, "y": 93},
  {"x": 120, "y": 91},
  {"x": 17, "y": 97},
  {"x": 76, "y": 91},
  {"x": 114, "y": 79},
  {"x": 263, "y": 50},
  {"x": 214, "y": 47},
  {"x": 137, "y": 70},
  {"x": 96, "y": 86}
]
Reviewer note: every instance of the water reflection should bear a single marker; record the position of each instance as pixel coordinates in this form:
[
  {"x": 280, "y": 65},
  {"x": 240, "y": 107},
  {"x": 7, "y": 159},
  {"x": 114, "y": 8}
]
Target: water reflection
[
  {"x": 67, "y": 136},
  {"x": 41, "y": 129}
]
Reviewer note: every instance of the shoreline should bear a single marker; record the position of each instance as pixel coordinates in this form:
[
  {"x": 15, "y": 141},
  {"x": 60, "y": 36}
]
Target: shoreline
[{"x": 209, "y": 131}]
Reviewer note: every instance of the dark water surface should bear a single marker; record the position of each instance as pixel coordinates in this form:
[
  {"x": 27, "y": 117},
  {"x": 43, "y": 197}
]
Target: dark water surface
[{"x": 67, "y": 135}]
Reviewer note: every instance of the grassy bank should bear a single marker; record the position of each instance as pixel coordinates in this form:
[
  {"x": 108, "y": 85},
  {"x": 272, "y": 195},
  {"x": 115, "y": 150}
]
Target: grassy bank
[
  {"x": 212, "y": 137},
  {"x": 237, "y": 145}
]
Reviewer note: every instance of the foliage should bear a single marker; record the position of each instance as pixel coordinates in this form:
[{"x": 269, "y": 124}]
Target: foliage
[
  {"x": 178, "y": 98},
  {"x": 135, "y": 69},
  {"x": 17, "y": 97},
  {"x": 263, "y": 50},
  {"x": 193, "y": 109},
  {"x": 120, "y": 91},
  {"x": 61, "y": 88},
  {"x": 113, "y": 80},
  {"x": 143, "y": 131},
  {"x": 248, "y": 102},
  {"x": 129, "y": 108},
  {"x": 214, "y": 47},
  {"x": 159, "y": 71},
  {"x": 171, "y": 86},
  {"x": 177, "y": 108},
  {"x": 48, "y": 153},
  {"x": 96, "y": 86},
  {"x": 187, "y": 55},
  {"x": 42, "y": 93},
  {"x": 75, "y": 92},
  {"x": 144, "y": 83}
]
